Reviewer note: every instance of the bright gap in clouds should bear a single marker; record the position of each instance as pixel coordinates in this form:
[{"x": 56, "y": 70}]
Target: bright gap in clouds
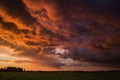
[
  {"x": 6, "y": 54},
  {"x": 60, "y": 50},
  {"x": 7, "y": 57}
]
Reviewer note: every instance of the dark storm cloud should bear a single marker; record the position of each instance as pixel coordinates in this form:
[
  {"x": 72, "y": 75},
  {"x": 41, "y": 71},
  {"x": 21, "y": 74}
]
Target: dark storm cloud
[
  {"x": 53, "y": 35},
  {"x": 67, "y": 8},
  {"x": 104, "y": 57}
]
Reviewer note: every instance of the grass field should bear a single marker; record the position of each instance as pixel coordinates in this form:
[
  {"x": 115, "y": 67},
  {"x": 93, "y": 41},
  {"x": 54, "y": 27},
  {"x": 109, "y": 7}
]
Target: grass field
[{"x": 59, "y": 75}]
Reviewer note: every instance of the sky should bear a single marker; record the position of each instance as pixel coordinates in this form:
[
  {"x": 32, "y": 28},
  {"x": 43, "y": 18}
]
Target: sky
[{"x": 60, "y": 35}]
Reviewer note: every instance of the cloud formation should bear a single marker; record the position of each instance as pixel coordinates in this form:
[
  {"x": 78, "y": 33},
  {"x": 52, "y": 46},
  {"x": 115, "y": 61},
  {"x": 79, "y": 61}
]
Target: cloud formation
[{"x": 87, "y": 29}]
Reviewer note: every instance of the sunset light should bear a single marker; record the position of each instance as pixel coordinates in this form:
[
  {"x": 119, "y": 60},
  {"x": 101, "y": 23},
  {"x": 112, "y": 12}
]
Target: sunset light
[{"x": 60, "y": 35}]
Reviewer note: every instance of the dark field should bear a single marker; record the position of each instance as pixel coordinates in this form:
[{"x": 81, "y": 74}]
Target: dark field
[{"x": 59, "y": 75}]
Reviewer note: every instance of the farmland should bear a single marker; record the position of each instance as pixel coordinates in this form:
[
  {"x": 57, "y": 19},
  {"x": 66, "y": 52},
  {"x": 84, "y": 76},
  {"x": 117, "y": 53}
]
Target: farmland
[{"x": 60, "y": 75}]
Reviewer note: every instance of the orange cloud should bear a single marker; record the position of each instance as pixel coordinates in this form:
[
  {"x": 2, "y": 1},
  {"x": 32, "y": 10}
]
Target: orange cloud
[{"x": 36, "y": 28}]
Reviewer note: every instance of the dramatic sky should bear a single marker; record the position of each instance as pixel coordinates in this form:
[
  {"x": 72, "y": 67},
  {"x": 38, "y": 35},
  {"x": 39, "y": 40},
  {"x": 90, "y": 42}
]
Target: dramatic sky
[{"x": 60, "y": 34}]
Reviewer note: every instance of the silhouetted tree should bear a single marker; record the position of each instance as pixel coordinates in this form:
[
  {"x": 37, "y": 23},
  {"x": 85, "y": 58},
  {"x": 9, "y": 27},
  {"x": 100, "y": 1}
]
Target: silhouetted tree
[{"x": 11, "y": 69}]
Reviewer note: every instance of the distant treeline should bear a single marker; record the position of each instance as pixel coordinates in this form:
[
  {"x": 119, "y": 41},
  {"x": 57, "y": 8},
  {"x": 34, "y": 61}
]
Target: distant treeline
[
  {"x": 16, "y": 69},
  {"x": 11, "y": 69}
]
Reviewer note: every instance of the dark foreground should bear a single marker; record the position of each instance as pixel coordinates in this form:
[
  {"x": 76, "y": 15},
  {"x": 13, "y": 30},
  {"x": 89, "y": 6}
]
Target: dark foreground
[{"x": 59, "y": 75}]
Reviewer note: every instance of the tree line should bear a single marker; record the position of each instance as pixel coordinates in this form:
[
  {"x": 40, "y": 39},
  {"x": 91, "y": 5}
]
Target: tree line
[{"x": 11, "y": 69}]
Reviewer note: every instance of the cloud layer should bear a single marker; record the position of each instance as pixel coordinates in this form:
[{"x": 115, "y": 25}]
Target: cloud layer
[{"x": 88, "y": 30}]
